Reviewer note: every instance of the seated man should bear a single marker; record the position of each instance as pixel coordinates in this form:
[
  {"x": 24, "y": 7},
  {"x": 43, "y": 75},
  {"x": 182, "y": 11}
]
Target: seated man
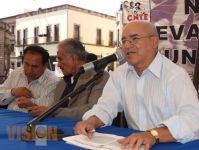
[
  {"x": 30, "y": 85},
  {"x": 156, "y": 95},
  {"x": 71, "y": 56}
]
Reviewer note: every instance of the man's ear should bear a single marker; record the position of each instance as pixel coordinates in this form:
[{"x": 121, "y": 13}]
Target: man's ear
[
  {"x": 75, "y": 59},
  {"x": 155, "y": 42},
  {"x": 46, "y": 65}
]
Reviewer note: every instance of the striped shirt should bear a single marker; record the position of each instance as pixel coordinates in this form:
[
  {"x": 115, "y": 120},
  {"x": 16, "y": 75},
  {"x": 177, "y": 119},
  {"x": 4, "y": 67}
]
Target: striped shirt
[
  {"x": 162, "y": 96},
  {"x": 41, "y": 88}
]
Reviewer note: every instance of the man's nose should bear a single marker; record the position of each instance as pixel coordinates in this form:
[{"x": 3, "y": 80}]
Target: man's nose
[
  {"x": 29, "y": 69},
  {"x": 127, "y": 44}
]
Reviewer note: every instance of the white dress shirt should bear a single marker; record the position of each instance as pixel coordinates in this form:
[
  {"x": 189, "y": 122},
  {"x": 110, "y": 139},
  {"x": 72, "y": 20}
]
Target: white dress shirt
[
  {"x": 42, "y": 88},
  {"x": 162, "y": 96}
]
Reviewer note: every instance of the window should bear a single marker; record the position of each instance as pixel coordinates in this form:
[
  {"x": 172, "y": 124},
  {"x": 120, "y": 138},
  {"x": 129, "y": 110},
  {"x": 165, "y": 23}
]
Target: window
[
  {"x": 118, "y": 39},
  {"x": 12, "y": 47},
  {"x": 56, "y": 32},
  {"x": 25, "y": 36},
  {"x": 18, "y": 37},
  {"x": 99, "y": 37},
  {"x": 76, "y": 34},
  {"x": 36, "y": 34},
  {"x": 110, "y": 38},
  {"x": 48, "y": 32},
  {"x": 12, "y": 29}
]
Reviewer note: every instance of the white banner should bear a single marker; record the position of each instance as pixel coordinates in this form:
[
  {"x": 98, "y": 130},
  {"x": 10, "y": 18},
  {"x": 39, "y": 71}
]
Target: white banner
[{"x": 135, "y": 10}]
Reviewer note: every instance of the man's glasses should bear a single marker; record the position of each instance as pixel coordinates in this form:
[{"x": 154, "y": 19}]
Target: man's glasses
[{"x": 133, "y": 39}]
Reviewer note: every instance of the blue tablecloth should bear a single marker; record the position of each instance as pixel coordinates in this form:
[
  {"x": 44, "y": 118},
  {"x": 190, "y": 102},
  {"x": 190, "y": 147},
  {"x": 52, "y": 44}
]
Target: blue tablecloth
[{"x": 11, "y": 123}]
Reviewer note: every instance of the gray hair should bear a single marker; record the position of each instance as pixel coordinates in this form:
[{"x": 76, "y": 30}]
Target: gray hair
[{"x": 73, "y": 47}]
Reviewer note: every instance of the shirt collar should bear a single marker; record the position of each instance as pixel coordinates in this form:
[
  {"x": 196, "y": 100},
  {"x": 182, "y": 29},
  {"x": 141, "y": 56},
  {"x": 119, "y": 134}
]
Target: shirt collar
[
  {"x": 154, "y": 67},
  {"x": 69, "y": 79},
  {"x": 42, "y": 77}
]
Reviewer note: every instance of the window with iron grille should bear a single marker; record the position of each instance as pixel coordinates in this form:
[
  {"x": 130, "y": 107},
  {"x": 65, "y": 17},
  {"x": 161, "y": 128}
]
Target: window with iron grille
[
  {"x": 110, "y": 38},
  {"x": 99, "y": 37},
  {"x": 18, "y": 37},
  {"x": 25, "y": 36},
  {"x": 48, "y": 32},
  {"x": 12, "y": 29},
  {"x": 36, "y": 34},
  {"x": 56, "y": 32},
  {"x": 76, "y": 33}
]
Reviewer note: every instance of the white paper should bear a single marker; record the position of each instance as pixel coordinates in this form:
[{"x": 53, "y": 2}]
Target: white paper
[{"x": 99, "y": 141}]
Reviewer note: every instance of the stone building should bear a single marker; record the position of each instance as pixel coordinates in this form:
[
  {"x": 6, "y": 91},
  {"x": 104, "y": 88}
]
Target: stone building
[{"x": 6, "y": 48}]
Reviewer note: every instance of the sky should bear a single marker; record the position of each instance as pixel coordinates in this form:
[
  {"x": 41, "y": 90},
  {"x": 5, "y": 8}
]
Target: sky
[{"x": 14, "y": 7}]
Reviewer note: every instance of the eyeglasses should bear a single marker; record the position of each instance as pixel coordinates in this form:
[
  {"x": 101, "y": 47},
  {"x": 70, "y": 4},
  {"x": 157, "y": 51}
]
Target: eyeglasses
[{"x": 133, "y": 39}]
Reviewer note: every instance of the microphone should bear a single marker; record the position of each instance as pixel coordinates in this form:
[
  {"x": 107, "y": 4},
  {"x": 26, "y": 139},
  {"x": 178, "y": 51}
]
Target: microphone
[{"x": 100, "y": 64}]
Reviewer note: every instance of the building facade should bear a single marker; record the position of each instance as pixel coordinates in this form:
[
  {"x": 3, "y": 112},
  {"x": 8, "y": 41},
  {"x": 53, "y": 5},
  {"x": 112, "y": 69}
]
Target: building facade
[
  {"x": 47, "y": 27},
  {"x": 6, "y": 48}
]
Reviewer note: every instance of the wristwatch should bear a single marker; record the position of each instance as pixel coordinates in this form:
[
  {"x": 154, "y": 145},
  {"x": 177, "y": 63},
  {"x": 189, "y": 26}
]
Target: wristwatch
[{"x": 155, "y": 134}]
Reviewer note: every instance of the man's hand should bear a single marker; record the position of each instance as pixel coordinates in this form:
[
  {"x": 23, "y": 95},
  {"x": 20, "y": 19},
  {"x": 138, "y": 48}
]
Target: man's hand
[
  {"x": 85, "y": 128},
  {"x": 24, "y": 102},
  {"x": 37, "y": 110},
  {"x": 136, "y": 140},
  {"x": 21, "y": 91}
]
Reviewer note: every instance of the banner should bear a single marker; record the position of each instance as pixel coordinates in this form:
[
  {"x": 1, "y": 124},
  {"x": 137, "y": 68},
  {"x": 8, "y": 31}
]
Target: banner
[
  {"x": 135, "y": 10},
  {"x": 177, "y": 22}
]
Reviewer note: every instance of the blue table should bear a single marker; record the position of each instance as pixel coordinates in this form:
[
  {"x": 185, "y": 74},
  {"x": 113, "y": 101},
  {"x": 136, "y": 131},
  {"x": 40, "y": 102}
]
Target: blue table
[{"x": 11, "y": 122}]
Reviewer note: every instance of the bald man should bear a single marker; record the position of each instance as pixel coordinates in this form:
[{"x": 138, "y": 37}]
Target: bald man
[{"x": 156, "y": 95}]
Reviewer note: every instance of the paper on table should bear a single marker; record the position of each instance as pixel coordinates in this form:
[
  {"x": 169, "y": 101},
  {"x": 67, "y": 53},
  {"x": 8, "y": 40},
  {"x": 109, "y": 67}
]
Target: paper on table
[{"x": 99, "y": 141}]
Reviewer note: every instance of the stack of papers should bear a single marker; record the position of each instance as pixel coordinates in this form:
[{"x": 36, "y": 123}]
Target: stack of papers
[{"x": 99, "y": 141}]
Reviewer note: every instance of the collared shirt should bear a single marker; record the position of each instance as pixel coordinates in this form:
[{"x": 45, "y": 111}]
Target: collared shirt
[
  {"x": 42, "y": 88},
  {"x": 70, "y": 85},
  {"x": 162, "y": 96}
]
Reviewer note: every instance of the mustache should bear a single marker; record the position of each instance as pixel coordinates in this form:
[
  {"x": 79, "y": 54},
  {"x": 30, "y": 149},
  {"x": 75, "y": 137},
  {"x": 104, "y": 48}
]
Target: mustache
[{"x": 28, "y": 74}]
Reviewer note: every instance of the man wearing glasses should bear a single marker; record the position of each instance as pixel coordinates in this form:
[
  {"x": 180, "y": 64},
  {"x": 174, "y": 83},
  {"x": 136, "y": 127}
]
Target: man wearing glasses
[{"x": 156, "y": 95}]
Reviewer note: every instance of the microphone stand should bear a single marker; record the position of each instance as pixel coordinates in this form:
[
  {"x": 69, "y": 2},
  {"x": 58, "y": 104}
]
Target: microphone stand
[{"x": 31, "y": 124}]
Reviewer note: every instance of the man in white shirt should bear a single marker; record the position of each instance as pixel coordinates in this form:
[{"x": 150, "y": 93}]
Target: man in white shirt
[
  {"x": 30, "y": 85},
  {"x": 71, "y": 55},
  {"x": 156, "y": 95}
]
